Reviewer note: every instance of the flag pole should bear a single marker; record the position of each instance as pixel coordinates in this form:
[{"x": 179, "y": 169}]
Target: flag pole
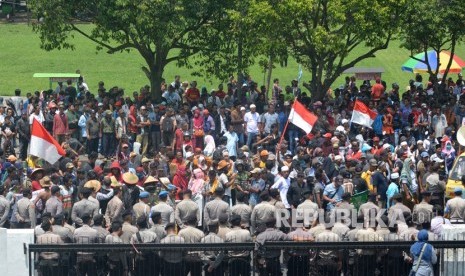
[{"x": 285, "y": 127}]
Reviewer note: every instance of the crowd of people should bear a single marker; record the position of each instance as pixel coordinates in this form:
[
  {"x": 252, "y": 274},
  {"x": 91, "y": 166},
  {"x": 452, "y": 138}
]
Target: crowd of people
[{"x": 219, "y": 166}]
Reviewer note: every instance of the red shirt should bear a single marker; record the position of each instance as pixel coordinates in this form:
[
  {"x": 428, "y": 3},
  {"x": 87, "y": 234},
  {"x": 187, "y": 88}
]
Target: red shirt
[
  {"x": 132, "y": 124},
  {"x": 193, "y": 94},
  {"x": 221, "y": 94},
  {"x": 36, "y": 185},
  {"x": 377, "y": 91},
  {"x": 354, "y": 156},
  {"x": 60, "y": 124},
  {"x": 179, "y": 136}
]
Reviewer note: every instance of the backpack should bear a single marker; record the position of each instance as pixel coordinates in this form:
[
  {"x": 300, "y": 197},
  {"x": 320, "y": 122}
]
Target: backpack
[{"x": 167, "y": 125}]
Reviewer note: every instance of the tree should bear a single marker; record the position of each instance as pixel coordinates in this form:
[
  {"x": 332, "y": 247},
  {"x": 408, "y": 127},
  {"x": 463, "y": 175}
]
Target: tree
[
  {"x": 161, "y": 31},
  {"x": 439, "y": 30},
  {"x": 330, "y": 36},
  {"x": 250, "y": 37}
]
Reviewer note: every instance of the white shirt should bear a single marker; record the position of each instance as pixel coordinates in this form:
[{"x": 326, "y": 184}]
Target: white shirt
[
  {"x": 252, "y": 121},
  {"x": 282, "y": 184},
  {"x": 436, "y": 226},
  {"x": 223, "y": 179},
  {"x": 223, "y": 126},
  {"x": 270, "y": 119},
  {"x": 40, "y": 118},
  {"x": 82, "y": 124}
]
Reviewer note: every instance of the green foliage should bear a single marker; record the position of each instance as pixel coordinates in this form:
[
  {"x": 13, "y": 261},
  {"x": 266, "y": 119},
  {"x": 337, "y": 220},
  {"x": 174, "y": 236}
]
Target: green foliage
[
  {"x": 321, "y": 34},
  {"x": 21, "y": 56},
  {"x": 217, "y": 38},
  {"x": 152, "y": 27}
]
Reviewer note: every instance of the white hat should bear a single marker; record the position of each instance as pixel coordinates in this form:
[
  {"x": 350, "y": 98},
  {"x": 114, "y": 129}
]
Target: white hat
[
  {"x": 284, "y": 168},
  {"x": 271, "y": 157},
  {"x": 340, "y": 129},
  {"x": 394, "y": 176},
  {"x": 438, "y": 160},
  {"x": 344, "y": 121},
  {"x": 404, "y": 143},
  {"x": 419, "y": 142},
  {"x": 286, "y": 103},
  {"x": 386, "y": 146},
  {"x": 189, "y": 154},
  {"x": 201, "y": 106},
  {"x": 256, "y": 170},
  {"x": 242, "y": 108},
  {"x": 252, "y": 106},
  {"x": 337, "y": 157}
]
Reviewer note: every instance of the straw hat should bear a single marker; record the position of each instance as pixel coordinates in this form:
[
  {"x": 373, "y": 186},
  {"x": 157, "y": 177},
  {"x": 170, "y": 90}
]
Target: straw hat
[
  {"x": 145, "y": 160},
  {"x": 165, "y": 181},
  {"x": 150, "y": 180},
  {"x": 130, "y": 178},
  {"x": 35, "y": 171},
  {"x": 114, "y": 182},
  {"x": 93, "y": 184},
  {"x": 45, "y": 182},
  {"x": 222, "y": 164},
  {"x": 12, "y": 158}
]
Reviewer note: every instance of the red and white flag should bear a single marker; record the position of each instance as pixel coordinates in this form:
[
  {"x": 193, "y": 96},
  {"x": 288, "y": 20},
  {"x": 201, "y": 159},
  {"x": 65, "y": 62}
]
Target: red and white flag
[
  {"x": 302, "y": 117},
  {"x": 362, "y": 115},
  {"x": 43, "y": 145}
]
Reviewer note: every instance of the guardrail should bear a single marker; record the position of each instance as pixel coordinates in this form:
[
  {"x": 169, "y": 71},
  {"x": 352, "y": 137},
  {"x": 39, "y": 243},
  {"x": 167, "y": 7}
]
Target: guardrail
[{"x": 272, "y": 258}]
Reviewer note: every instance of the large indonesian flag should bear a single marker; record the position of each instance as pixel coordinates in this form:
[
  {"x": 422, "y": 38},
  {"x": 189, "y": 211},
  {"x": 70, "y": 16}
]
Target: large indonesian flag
[
  {"x": 362, "y": 115},
  {"x": 43, "y": 145},
  {"x": 302, "y": 117}
]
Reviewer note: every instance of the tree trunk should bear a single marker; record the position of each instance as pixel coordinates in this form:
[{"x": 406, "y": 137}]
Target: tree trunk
[
  {"x": 451, "y": 58},
  {"x": 317, "y": 90},
  {"x": 268, "y": 77},
  {"x": 156, "y": 79},
  {"x": 154, "y": 72}
]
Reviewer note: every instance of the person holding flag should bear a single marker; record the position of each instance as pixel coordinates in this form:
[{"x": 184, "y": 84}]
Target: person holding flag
[
  {"x": 362, "y": 115},
  {"x": 300, "y": 117},
  {"x": 43, "y": 145}
]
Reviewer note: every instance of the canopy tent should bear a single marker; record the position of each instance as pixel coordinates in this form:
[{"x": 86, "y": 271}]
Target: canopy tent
[
  {"x": 365, "y": 73},
  {"x": 58, "y": 77},
  {"x": 415, "y": 65}
]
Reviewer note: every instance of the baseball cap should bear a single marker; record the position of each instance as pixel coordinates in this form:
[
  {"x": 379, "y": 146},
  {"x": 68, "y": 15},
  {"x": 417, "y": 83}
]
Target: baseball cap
[{"x": 144, "y": 195}]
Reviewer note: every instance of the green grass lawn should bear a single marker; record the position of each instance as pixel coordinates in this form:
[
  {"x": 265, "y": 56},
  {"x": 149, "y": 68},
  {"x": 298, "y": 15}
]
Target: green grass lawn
[{"x": 21, "y": 57}]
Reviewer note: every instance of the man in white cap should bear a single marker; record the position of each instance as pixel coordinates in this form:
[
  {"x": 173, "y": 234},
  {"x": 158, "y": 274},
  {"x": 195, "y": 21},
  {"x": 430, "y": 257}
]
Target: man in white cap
[
  {"x": 393, "y": 188},
  {"x": 251, "y": 119},
  {"x": 282, "y": 184},
  {"x": 345, "y": 124}
]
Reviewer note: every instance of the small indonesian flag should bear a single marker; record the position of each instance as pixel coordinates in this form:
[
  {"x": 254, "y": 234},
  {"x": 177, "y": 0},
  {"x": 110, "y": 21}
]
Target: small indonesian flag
[
  {"x": 43, "y": 145},
  {"x": 302, "y": 117},
  {"x": 362, "y": 115}
]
